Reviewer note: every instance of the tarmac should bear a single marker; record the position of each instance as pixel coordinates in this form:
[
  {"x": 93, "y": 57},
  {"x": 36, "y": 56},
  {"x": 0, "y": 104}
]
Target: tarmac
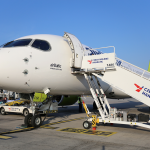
[{"x": 64, "y": 130}]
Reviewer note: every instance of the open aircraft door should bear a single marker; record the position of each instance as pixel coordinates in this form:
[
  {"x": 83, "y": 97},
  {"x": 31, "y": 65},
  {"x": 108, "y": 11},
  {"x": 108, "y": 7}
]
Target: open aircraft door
[{"x": 77, "y": 50}]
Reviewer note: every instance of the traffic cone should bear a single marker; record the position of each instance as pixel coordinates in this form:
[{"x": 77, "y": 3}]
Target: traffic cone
[{"x": 93, "y": 128}]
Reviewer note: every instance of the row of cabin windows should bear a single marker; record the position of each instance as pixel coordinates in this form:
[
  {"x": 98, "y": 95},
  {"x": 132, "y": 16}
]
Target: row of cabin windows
[{"x": 39, "y": 44}]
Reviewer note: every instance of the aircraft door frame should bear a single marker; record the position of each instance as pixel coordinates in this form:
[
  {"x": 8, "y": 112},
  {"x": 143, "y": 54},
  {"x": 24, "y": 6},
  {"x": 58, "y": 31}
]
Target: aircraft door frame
[{"x": 77, "y": 50}]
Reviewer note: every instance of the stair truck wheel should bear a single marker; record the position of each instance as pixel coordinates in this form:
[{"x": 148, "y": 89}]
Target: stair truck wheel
[
  {"x": 27, "y": 120},
  {"x": 36, "y": 121},
  {"x": 25, "y": 112},
  {"x": 86, "y": 125},
  {"x": 3, "y": 111}
]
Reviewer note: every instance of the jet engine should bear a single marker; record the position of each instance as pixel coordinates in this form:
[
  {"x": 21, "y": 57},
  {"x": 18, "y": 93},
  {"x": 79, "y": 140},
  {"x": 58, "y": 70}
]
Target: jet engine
[{"x": 63, "y": 100}]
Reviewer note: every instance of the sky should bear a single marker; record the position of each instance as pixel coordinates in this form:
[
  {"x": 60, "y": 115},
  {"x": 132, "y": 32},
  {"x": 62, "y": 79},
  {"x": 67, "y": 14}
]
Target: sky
[{"x": 124, "y": 24}]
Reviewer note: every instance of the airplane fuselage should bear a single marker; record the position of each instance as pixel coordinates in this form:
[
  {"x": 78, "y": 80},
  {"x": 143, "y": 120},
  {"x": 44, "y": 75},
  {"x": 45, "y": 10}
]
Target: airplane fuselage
[{"x": 26, "y": 69}]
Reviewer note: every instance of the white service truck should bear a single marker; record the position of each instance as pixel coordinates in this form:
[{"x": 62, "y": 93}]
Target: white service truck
[
  {"x": 15, "y": 109},
  {"x": 45, "y": 107}
]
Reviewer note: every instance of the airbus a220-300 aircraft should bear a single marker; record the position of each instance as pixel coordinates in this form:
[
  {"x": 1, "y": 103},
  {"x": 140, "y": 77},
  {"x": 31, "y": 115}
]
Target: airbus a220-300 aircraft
[{"x": 36, "y": 63}]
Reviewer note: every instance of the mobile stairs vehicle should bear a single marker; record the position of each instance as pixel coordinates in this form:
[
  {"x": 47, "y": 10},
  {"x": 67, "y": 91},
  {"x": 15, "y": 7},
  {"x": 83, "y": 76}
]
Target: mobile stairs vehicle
[{"x": 122, "y": 75}]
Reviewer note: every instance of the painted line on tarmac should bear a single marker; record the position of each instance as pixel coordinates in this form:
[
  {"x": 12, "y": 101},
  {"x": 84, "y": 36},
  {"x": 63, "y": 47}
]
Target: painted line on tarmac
[
  {"x": 5, "y": 137},
  {"x": 49, "y": 127},
  {"x": 89, "y": 132},
  {"x": 18, "y": 130},
  {"x": 62, "y": 122},
  {"x": 43, "y": 126}
]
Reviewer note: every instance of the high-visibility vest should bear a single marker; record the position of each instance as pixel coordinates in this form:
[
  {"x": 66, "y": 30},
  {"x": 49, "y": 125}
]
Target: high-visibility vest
[{"x": 79, "y": 100}]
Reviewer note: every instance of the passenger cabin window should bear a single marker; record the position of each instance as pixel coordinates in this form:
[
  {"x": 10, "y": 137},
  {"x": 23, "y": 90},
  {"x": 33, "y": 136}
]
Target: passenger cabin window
[
  {"x": 42, "y": 45},
  {"x": 21, "y": 42}
]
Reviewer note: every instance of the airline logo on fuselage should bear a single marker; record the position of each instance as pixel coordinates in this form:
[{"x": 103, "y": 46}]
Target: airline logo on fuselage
[
  {"x": 146, "y": 91},
  {"x": 90, "y": 61},
  {"x": 55, "y": 66},
  {"x": 93, "y": 52},
  {"x": 97, "y": 60},
  {"x": 139, "y": 88}
]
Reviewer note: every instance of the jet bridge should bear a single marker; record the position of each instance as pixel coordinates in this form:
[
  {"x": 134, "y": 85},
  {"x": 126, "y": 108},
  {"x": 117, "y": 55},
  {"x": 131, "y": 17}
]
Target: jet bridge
[{"x": 124, "y": 76}]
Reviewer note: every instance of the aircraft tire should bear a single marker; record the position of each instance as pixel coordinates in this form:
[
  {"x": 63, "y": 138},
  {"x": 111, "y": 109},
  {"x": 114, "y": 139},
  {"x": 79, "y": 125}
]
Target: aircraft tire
[
  {"x": 86, "y": 125},
  {"x": 27, "y": 120},
  {"x": 3, "y": 111},
  {"x": 36, "y": 121},
  {"x": 25, "y": 112}
]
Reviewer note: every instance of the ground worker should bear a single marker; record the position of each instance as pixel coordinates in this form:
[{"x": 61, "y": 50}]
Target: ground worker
[{"x": 80, "y": 104}]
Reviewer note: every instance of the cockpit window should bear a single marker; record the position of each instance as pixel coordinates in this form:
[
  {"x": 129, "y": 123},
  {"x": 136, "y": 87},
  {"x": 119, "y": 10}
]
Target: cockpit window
[
  {"x": 42, "y": 45},
  {"x": 21, "y": 42}
]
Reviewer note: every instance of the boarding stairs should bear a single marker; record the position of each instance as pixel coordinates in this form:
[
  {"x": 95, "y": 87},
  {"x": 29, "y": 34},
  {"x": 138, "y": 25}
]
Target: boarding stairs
[{"x": 124, "y": 76}]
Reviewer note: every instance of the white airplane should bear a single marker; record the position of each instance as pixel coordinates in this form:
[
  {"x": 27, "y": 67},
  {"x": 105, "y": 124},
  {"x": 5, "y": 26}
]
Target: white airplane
[
  {"x": 46, "y": 63},
  {"x": 38, "y": 62}
]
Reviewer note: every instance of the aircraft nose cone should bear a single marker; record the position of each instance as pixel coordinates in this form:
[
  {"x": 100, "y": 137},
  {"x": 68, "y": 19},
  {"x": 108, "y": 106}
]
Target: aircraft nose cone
[{"x": 14, "y": 67}]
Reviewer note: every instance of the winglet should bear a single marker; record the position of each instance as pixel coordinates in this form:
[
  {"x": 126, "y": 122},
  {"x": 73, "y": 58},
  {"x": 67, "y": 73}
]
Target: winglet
[{"x": 149, "y": 67}]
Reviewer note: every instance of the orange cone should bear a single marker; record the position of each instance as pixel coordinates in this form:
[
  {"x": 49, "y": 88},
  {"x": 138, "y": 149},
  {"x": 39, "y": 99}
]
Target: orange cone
[{"x": 94, "y": 128}]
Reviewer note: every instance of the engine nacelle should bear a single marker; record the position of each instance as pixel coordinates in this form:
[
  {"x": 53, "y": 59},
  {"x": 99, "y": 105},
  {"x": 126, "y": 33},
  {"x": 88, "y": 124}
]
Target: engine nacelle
[{"x": 64, "y": 100}]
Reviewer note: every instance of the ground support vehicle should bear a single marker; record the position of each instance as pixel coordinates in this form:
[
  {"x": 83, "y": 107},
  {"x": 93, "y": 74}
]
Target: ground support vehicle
[
  {"x": 106, "y": 113},
  {"x": 25, "y": 110},
  {"x": 114, "y": 71}
]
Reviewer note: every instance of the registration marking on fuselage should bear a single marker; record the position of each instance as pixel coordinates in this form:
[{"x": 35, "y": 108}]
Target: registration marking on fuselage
[{"x": 89, "y": 132}]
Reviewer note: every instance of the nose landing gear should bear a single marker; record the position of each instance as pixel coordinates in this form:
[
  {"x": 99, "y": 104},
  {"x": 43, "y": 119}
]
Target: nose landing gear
[
  {"x": 33, "y": 121},
  {"x": 38, "y": 106}
]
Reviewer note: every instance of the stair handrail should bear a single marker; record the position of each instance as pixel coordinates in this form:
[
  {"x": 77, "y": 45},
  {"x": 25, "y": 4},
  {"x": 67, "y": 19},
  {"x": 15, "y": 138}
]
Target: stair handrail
[
  {"x": 105, "y": 47},
  {"x": 139, "y": 69}
]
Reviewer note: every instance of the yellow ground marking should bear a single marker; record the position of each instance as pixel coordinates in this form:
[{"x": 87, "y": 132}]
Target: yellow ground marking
[
  {"x": 13, "y": 131},
  {"x": 43, "y": 126},
  {"x": 63, "y": 121},
  {"x": 5, "y": 137},
  {"x": 48, "y": 127},
  {"x": 90, "y": 132}
]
